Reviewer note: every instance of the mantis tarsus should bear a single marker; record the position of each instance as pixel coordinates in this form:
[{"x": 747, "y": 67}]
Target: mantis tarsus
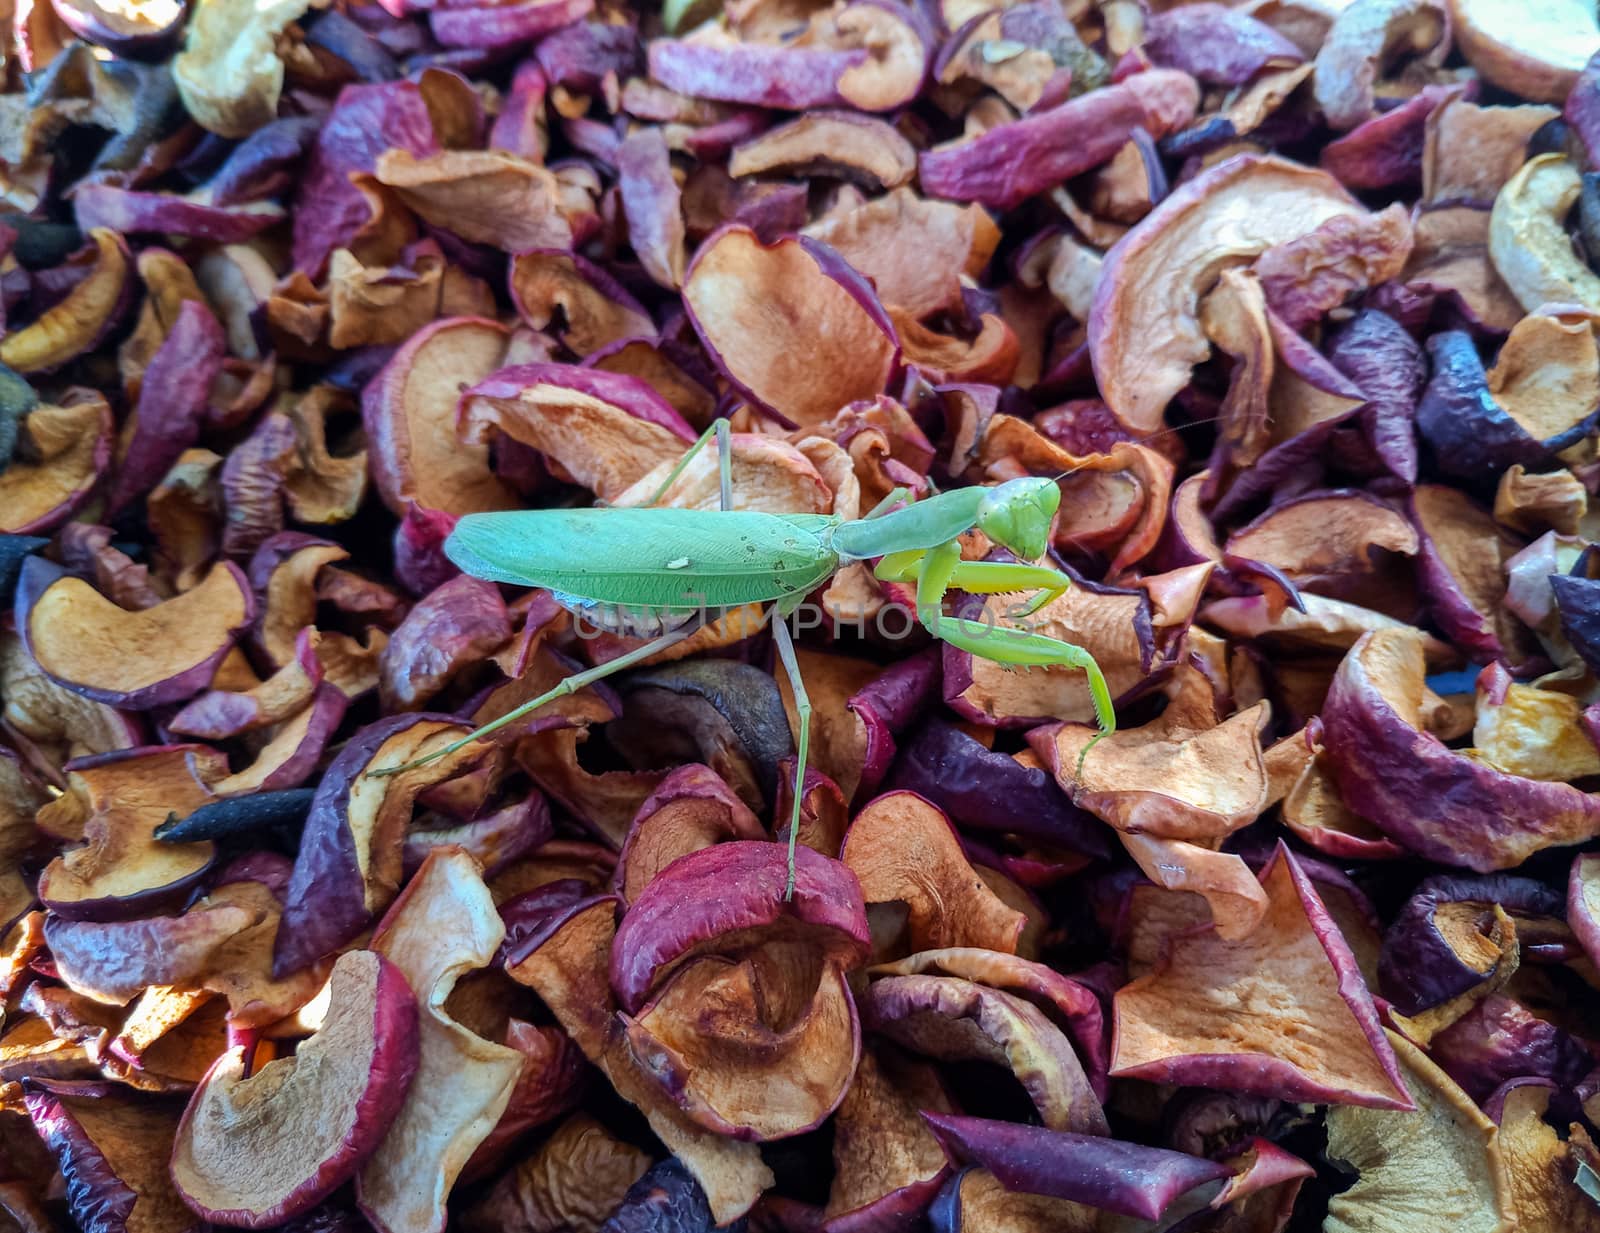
[{"x": 645, "y": 569}]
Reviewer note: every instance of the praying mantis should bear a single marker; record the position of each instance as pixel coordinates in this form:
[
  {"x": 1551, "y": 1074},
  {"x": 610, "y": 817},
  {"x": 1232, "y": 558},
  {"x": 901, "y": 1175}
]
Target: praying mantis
[{"x": 650, "y": 571}]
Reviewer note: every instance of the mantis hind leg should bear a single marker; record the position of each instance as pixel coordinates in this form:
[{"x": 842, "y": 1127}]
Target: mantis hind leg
[
  {"x": 720, "y": 429},
  {"x": 802, "y": 706},
  {"x": 573, "y": 683}
]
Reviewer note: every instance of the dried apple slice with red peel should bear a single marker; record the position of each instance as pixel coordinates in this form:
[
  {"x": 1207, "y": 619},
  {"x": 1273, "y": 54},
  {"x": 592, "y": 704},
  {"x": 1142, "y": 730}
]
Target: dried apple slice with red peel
[
  {"x": 351, "y": 858},
  {"x": 122, "y": 869},
  {"x": 135, "y": 660},
  {"x": 956, "y": 1020},
  {"x": 845, "y": 350},
  {"x": 256, "y": 1150},
  {"x": 1070, "y": 1004},
  {"x": 1144, "y": 329},
  {"x": 1440, "y": 803},
  {"x": 887, "y": 1164},
  {"x": 409, "y": 412},
  {"x": 1447, "y": 1139},
  {"x": 566, "y": 963},
  {"x": 1187, "y": 775},
  {"x": 111, "y": 1147},
  {"x": 1323, "y": 1042},
  {"x": 1126, "y": 1178},
  {"x": 691, "y": 809},
  {"x": 723, "y": 898},
  {"x": 902, "y": 849},
  {"x": 443, "y": 925},
  {"x": 742, "y": 1046}
]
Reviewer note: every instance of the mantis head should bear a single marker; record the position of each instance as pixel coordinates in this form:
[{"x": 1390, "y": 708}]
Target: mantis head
[{"x": 1017, "y": 515}]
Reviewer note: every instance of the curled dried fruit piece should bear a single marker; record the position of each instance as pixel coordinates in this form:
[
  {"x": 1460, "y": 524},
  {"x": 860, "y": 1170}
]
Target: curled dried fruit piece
[
  {"x": 1322, "y": 1042},
  {"x": 70, "y": 452},
  {"x": 732, "y": 895},
  {"x": 136, "y": 660},
  {"x": 790, "y": 324},
  {"x": 1528, "y": 239},
  {"x": 758, "y": 1048},
  {"x": 904, "y": 850},
  {"x": 229, "y": 73},
  {"x": 566, "y": 962},
  {"x": 1447, "y": 1137},
  {"x": 1144, "y": 329},
  {"x": 121, "y": 870},
  {"x": 443, "y": 926},
  {"x": 956, "y": 1020},
  {"x": 83, "y": 316},
  {"x": 1439, "y": 803},
  {"x": 1126, "y": 1178},
  {"x": 351, "y": 858},
  {"x": 111, "y": 1147},
  {"x": 1184, "y": 775},
  {"x": 314, "y": 1118}
]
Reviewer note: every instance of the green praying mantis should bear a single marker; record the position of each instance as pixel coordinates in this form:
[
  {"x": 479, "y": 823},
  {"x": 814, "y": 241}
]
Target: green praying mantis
[{"x": 650, "y": 571}]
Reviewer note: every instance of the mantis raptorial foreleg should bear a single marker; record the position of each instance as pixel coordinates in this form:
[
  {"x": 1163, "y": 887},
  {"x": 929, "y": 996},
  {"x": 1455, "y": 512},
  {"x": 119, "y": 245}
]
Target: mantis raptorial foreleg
[
  {"x": 941, "y": 568},
  {"x": 987, "y": 578},
  {"x": 802, "y": 708},
  {"x": 720, "y": 429}
]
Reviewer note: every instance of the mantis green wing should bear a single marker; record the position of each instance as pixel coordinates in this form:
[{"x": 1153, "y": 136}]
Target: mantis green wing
[{"x": 649, "y": 558}]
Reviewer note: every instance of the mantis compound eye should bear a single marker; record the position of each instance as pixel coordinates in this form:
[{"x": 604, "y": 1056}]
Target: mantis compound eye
[{"x": 1017, "y": 515}]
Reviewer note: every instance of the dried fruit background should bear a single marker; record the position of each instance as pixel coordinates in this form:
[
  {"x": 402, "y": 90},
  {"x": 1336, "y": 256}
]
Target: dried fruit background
[{"x": 1297, "y": 298}]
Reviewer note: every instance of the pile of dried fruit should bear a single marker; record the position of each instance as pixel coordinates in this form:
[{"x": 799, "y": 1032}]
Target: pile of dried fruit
[{"x": 1297, "y": 301}]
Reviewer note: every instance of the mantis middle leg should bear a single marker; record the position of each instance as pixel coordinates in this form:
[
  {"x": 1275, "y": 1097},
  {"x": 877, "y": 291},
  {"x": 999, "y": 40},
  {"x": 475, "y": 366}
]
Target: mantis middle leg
[
  {"x": 720, "y": 429},
  {"x": 802, "y": 707}
]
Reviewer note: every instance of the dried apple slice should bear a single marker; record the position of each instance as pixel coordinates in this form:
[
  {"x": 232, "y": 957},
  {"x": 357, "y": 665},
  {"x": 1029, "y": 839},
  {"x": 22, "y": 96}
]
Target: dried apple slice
[
  {"x": 760, "y": 1048},
  {"x": 81, "y": 318},
  {"x": 790, "y": 324},
  {"x": 1005, "y": 165},
  {"x": 602, "y": 429},
  {"x": 1583, "y": 902},
  {"x": 443, "y": 926},
  {"x": 978, "y": 787},
  {"x": 71, "y": 445},
  {"x": 122, "y": 869},
  {"x": 597, "y": 311},
  {"x": 566, "y": 964},
  {"x": 1126, "y": 1178},
  {"x": 409, "y": 412},
  {"x": 1446, "y": 1139},
  {"x": 887, "y": 1164},
  {"x": 1534, "y": 52},
  {"x": 691, "y": 809},
  {"x": 1441, "y": 804},
  {"x": 1185, "y": 775},
  {"x": 135, "y": 660},
  {"x": 1539, "y": 1166},
  {"x": 903, "y": 850},
  {"x": 1322, "y": 1042},
  {"x": 913, "y": 250},
  {"x": 112, "y": 1149},
  {"x": 956, "y": 1020},
  {"x": 1068, "y": 1003},
  {"x": 255, "y": 1150},
  {"x": 575, "y": 1180},
  {"x": 351, "y": 855},
  {"x": 1144, "y": 329},
  {"x": 732, "y": 896},
  {"x": 842, "y": 144}
]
